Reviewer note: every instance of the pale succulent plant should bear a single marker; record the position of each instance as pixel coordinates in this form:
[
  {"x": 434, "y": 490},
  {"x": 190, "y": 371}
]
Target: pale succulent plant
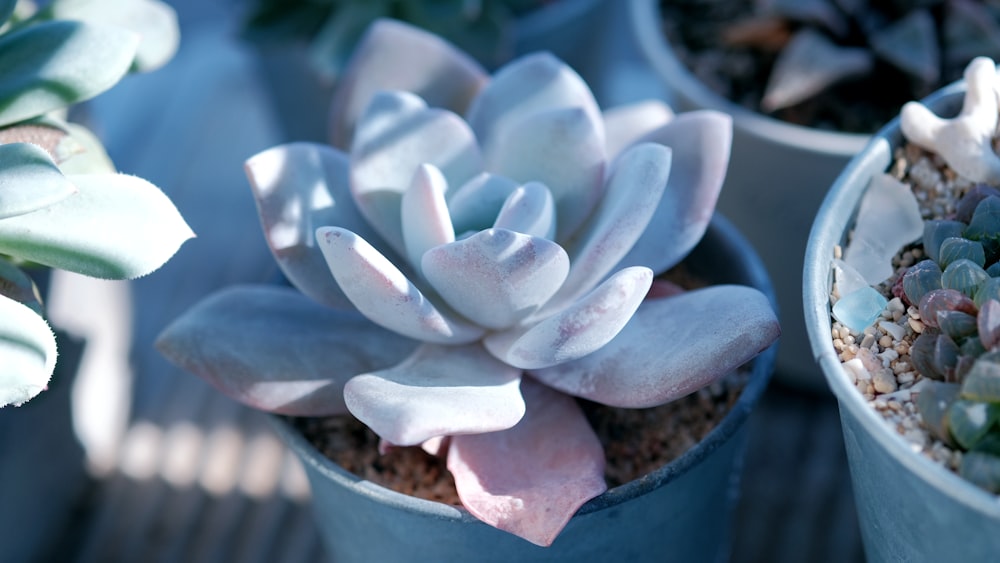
[
  {"x": 481, "y": 28},
  {"x": 62, "y": 204},
  {"x": 475, "y": 274}
]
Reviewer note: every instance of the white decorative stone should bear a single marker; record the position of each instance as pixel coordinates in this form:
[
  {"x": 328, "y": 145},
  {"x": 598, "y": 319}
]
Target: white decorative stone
[{"x": 888, "y": 219}]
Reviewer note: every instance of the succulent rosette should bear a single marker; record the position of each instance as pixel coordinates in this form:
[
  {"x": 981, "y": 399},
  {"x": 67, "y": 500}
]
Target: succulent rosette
[{"x": 484, "y": 250}]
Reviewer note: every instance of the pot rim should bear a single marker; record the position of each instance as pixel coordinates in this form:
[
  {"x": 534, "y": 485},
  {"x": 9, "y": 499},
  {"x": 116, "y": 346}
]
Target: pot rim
[
  {"x": 723, "y": 233},
  {"x": 829, "y": 229},
  {"x": 680, "y": 82}
]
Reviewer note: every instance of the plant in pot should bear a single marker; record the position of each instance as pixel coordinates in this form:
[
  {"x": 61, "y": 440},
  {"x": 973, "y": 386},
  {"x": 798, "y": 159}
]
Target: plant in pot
[
  {"x": 464, "y": 284},
  {"x": 806, "y": 84},
  {"x": 63, "y": 206},
  {"x": 902, "y": 255},
  {"x": 305, "y": 44}
]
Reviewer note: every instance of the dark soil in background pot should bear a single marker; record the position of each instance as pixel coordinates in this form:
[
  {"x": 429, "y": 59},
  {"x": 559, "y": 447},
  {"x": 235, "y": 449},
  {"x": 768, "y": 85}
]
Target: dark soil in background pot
[{"x": 732, "y": 46}]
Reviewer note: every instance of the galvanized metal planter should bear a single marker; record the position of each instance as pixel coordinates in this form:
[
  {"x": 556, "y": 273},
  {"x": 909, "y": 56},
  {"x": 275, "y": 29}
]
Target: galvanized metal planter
[{"x": 680, "y": 512}]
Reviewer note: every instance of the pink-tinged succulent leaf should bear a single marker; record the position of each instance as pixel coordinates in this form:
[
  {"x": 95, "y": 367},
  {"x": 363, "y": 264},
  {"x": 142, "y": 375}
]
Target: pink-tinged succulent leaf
[
  {"x": 526, "y": 86},
  {"x": 274, "y": 349},
  {"x": 383, "y": 294},
  {"x": 298, "y": 188},
  {"x": 561, "y": 148},
  {"x": 29, "y": 180},
  {"x": 625, "y": 125},
  {"x": 475, "y": 205},
  {"x": 530, "y": 210},
  {"x": 530, "y": 480},
  {"x": 496, "y": 278},
  {"x": 578, "y": 330},
  {"x": 425, "y": 218},
  {"x": 700, "y": 141},
  {"x": 988, "y": 323},
  {"x": 437, "y": 391},
  {"x": 393, "y": 140},
  {"x": 116, "y": 227},
  {"x": 397, "y": 56},
  {"x": 633, "y": 190},
  {"x": 28, "y": 349},
  {"x": 672, "y": 347}
]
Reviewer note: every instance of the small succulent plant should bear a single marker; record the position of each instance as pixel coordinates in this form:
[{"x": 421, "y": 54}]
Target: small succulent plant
[
  {"x": 956, "y": 289},
  {"x": 477, "y": 274},
  {"x": 481, "y": 28},
  {"x": 62, "y": 204},
  {"x": 846, "y": 65}
]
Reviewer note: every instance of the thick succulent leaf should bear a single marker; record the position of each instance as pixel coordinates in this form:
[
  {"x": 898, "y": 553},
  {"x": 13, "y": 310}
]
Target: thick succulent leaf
[
  {"x": 274, "y": 349},
  {"x": 71, "y": 146},
  {"x": 970, "y": 421},
  {"x": 527, "y": 86},
  {"x": 117, "y": 227},
  {"x": 29, "y": 180},
  {"x": 394, "y": 138},
  {"x": 54, "y": 64},
  {"x": 625, "y": 125},
  {"x": 531, "y": 210},
  {"x": 425, "y": 218},
  {"x": 396, "y": 56},
  {"x": 672, "y": 347},
  {"x": 700, "y": 141},
  {"x": 496, "y": 278},
  {"x": 475, "y": 205},
  {"x": 27, "y": 353},
  {"x": 437, "y": 391},
  {"x": 383, "y": 294},
  {"x": 530, "y": 480},
  {"x": 634, "y": 188},
  {"x": 983, "y": 469},
  {"x": 563, "y": 149},
  {"x": 578, "y": 330},
  {"x": 300, "y": 187},
  {"x": 153, "y": 21}
]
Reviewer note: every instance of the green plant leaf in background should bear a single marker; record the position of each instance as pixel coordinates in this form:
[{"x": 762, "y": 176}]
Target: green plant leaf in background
[
  {"x": 29, "y": 180},
  {"x": 17, "y": 285},
  {"x": 155, "y": 22},
  {"x": 54, "y": 64},
  {"x": 117, "y": 227},
  {"x": 6, "y": 9},
  {"x": 28, "y": 349}
]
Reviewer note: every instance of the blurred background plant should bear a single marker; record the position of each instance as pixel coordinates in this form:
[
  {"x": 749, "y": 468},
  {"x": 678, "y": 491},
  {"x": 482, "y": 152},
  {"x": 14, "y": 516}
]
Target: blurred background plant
[{"x": 62, "y": 203}]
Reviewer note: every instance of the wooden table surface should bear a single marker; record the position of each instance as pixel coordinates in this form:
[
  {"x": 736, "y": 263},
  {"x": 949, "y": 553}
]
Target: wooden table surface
[{"x": 178, "y": 473}]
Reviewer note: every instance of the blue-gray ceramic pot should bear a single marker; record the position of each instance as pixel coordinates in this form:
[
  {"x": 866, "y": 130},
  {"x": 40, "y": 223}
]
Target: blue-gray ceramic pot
[
  {"x": 778, "y": 175},
  {"x": 680, "y": 512},
  {"x": 909, "y": 508}
]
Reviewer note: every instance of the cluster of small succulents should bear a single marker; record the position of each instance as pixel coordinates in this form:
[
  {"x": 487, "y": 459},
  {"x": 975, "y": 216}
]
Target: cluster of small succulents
[
  {"x": 482, "y": 28},
  {"x": 478, "y": 268},
  {"x": 62, "y": 204},
  {"x": 832, "y": 63},
  {"x": 956, "y": 288},
  {"x": 957, "y": 292}
]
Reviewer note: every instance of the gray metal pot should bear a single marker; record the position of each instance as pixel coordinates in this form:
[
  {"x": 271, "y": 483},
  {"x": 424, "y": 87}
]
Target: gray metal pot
[
  {"x": 910, "y": 509},
  {"x": 778, "y": 174},
  {"x": 680, "y": 512}
]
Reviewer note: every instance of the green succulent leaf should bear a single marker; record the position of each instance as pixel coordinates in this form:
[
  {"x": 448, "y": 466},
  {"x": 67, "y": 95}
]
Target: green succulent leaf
[
  {"x": 933, "y": 402},
  {"x": 983, "y": 382},
  {"x": 154, "y": 21},
  {"x": 969, "y": 421},
  {"x": 29, "y": 180},
  {"x": 116, "y": 227},
  {"x": 55, "y": 64},
  {"x": 982, "y": 469},
  {"x": 27, "y": 353}
]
